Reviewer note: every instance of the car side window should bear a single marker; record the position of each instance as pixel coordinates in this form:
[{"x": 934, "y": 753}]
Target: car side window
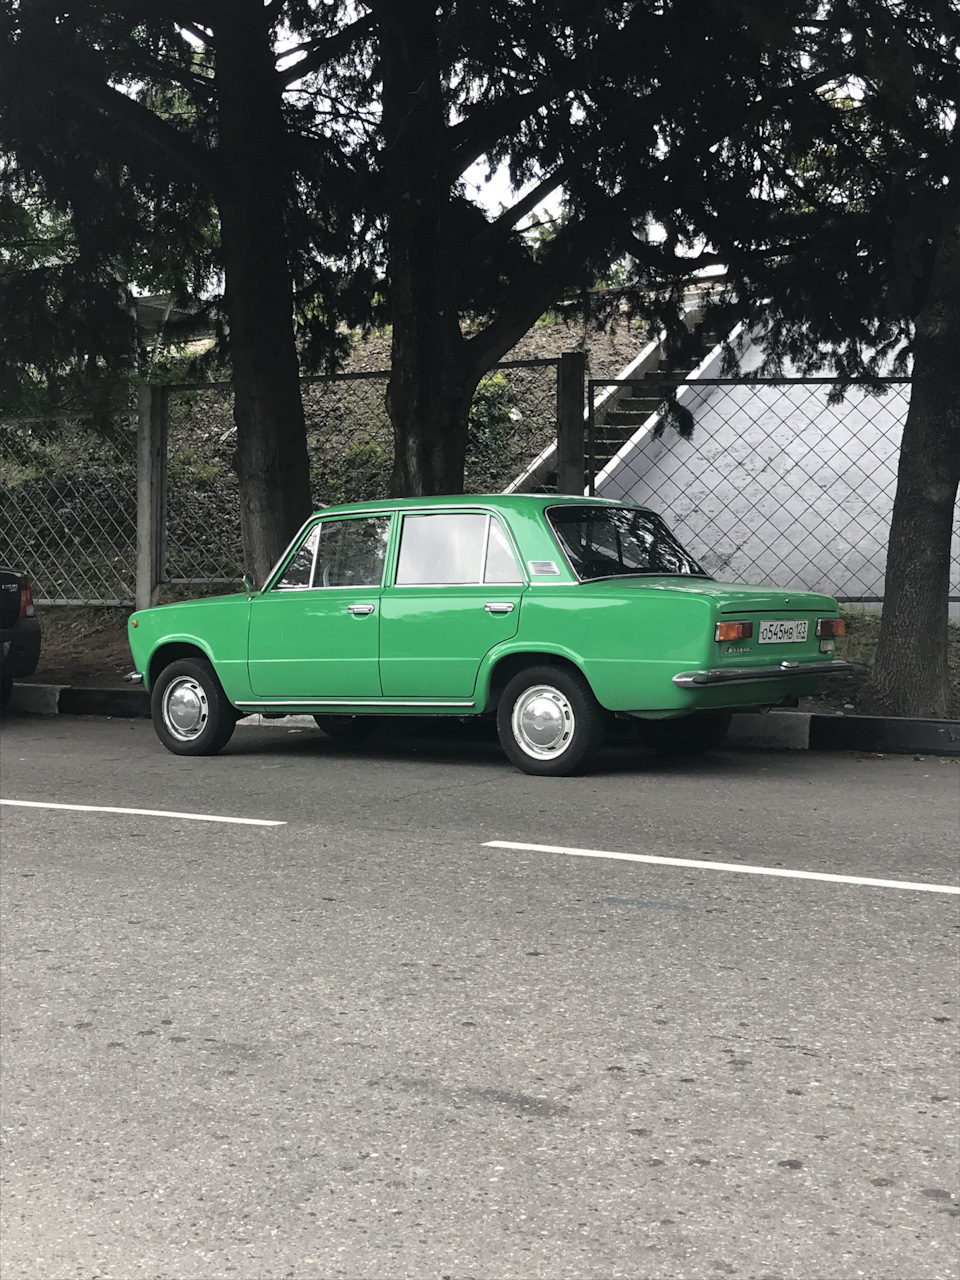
[
  {"x": 351, "y": 552},
  {"x": 442, "y": 550},
  {"x": 500, "y": 565},
  {"x": 296, "y": 575}
]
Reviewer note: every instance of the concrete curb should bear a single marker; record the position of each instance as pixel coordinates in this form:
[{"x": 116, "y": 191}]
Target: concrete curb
[
  {"x": 777, "y": 731},
  {"x": 802, "y": 730},
  {"x": 55, "y": 699}
]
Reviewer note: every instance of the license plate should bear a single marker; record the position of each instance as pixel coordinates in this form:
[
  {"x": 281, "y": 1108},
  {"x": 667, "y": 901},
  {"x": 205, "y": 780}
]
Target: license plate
[{"x": 783, "y": 632}]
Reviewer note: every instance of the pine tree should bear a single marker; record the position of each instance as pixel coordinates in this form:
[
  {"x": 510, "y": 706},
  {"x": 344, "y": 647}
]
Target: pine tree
[{"x": 140, "y": 125}]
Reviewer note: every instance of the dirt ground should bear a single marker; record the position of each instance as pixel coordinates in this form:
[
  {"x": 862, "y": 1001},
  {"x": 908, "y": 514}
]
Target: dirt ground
[{"x": 87, "y": 648}]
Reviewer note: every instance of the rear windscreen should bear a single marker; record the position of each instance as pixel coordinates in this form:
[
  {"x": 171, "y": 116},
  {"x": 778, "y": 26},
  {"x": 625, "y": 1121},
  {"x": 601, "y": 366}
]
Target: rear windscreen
[{"x": 614, "y": 542}]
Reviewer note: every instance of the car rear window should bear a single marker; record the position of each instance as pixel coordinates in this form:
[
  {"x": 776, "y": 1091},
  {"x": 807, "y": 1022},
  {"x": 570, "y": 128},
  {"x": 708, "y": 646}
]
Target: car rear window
[{"x": 616, "y": 542}]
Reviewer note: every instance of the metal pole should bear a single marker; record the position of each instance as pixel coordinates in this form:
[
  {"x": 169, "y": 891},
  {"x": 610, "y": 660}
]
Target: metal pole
[
  {"x": 570, "y": 387},
  {"x": 591, "y": 439},
  {"x": 151, "y": 491}
]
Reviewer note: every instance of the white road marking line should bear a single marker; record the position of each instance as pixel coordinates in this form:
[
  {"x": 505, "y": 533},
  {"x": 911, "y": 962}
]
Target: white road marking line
[
  {"x": 146, "y": 813},
  {"x": 725, "y": 866}
]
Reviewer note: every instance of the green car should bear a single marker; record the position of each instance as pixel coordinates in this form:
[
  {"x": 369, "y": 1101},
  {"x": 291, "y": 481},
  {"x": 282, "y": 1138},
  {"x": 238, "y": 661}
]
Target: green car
[{"x": 555, "y": 614}]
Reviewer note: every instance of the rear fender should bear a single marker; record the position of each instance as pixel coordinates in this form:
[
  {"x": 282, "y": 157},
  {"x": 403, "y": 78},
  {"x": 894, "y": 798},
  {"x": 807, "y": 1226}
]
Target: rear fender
[{"x": 506, "y": 660}]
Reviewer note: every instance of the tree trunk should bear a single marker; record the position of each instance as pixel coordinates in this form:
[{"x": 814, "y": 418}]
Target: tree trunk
[
  {"x": 430, "y": 414},
  {"x": 910, "y": 676},
  {"x": 271, "y": 456},
  {"x": 431, "y": 385}
]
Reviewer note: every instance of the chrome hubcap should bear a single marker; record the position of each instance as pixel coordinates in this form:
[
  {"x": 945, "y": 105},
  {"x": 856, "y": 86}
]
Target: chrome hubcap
[
  {"x": 543, "y": 722},
  {"x": 185, "y": 708}
]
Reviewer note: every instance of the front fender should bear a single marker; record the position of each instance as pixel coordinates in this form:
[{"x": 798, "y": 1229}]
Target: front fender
[{"x": 222, "y": 639}]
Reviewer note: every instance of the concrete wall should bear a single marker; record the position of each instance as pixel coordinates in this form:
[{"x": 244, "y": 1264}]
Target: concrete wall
[{"x": 776, "y": 485}]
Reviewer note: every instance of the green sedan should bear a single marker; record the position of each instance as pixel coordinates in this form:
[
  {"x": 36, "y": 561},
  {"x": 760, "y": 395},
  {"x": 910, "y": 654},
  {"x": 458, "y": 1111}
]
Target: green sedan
[{"x": 555, "y": 614}]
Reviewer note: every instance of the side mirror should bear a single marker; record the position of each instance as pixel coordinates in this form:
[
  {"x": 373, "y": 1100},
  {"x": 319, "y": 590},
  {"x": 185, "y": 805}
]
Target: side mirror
[{"x": 248, "y": 584}]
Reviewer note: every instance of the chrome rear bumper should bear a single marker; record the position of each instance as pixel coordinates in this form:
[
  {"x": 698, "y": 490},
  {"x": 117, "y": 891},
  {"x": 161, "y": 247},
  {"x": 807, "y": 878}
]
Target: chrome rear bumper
[{"x": 757, "y": 675}]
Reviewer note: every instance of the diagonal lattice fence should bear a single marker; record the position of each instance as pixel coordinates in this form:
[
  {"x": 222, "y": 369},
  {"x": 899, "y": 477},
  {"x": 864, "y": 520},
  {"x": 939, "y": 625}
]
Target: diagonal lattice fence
[
  {"x": 68, "y": 508},
  {"x": 350, "y": 446},
  {"x": 775, "y": 484},
  {"x": 68, "y": 494}
]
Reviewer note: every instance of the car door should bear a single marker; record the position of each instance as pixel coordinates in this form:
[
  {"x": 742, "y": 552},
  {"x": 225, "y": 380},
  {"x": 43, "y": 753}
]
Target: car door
[
  {"x": 315, "y": 633},
  {"x": 455, "y": 594}
]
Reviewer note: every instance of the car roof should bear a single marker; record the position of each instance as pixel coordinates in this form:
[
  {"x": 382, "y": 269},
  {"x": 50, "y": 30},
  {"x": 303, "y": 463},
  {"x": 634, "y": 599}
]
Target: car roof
[{"x": 500, "y": 501}]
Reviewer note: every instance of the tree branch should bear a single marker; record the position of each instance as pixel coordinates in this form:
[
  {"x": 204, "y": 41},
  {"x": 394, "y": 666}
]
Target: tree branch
[
  {"x": 202, "y": 165},
  {"x": 507, "y": 220},
  {"x": 324, "y": 51},
  {"x": 546, "y": 280},
  {"x": 476, "y": 133}
]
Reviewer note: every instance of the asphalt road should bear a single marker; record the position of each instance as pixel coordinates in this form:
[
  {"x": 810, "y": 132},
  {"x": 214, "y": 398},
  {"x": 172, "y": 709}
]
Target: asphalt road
[{"x": 367, "y": 1044}]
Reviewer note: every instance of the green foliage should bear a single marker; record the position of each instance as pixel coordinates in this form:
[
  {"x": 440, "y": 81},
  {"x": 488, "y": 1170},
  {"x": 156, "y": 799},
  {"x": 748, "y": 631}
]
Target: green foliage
[
  {"x": 493, "y": 419},
  {"x": 358, "y": 474}
]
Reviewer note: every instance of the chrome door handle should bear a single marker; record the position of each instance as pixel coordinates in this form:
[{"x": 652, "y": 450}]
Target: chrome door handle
[
  {"x": 360, "y": 609},
  {"x": 499, "y": 606}
]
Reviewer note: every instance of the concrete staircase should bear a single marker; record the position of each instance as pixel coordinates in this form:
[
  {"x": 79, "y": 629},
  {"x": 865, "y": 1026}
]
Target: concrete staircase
[{"x": 618, "y": 418}]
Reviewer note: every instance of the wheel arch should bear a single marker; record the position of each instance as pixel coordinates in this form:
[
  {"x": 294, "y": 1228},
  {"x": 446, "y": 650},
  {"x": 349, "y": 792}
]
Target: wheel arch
[
  {"x": 502, "y": 669},
  {"x": 172, "y": 651}
]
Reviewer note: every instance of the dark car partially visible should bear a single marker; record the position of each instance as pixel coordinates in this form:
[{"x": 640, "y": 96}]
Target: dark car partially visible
[{"x": 19, "y": 630}]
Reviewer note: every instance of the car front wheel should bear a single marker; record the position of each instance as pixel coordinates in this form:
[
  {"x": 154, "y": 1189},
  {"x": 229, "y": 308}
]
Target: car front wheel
[
  {"x": 686, "y": 736},
  {"x": 549, "y": 722},
  {"x": 190, "y": 711}
]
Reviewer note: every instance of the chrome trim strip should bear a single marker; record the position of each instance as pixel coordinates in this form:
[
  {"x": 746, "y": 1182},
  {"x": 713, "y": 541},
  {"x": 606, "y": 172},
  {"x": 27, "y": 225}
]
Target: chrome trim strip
[
  {"x": 316, "y": 552},
  {"x": 758, "y": 675},
  {"x": 350, "y": 702},
  {"x": 486, "y": 549}
]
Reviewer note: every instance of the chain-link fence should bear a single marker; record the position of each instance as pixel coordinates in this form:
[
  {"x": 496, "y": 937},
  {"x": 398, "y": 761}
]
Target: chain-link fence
[
  {"x": 70, "y": 497},
  {"x": 775, "y": 483},
  {"x": 350, "y": 446},
  {"x": 68, "y": 507}
]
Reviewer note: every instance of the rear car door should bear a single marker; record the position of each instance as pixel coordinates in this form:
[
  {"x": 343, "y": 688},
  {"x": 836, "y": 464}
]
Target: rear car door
[
  {"x": 315, "y": 634},
  {"x": 456, "y": 593}
]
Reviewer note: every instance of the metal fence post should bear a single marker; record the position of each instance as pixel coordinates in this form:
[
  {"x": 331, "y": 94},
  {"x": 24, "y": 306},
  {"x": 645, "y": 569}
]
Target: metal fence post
[
  {"x": 152, "y": 404},
  {"x": 570, "y": 387}
]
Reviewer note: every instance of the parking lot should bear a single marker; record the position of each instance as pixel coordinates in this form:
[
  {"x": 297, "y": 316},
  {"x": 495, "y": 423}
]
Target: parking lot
[{"x": 418, "y": 1023}]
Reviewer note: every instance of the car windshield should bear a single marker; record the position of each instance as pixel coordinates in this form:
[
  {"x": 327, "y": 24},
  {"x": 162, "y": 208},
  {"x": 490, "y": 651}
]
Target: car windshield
[{"x": 614, "y": 542}]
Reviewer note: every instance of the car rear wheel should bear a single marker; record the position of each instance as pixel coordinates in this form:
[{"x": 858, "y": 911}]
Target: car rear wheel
[
  {"x": 686, "y": 736},
  {"x": 190, "y": 711},
  {"x": 549, "y": 722},
  {"x": 348, "y": 728}
]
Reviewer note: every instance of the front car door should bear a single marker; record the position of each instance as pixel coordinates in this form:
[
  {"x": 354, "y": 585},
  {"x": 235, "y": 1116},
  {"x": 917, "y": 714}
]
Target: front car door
[
  {"x": 315, "y": 633},
  {"x": 455, "y": 594}
]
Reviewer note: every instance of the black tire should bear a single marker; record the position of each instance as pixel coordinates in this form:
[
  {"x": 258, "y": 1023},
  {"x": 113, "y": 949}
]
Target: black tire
[
  {"x": 190, "y": 711},
  {"x": 6, "y": 689},
  {"x": 348, "y": 728},
  {"x": 564, "y": 722},
  {"x": 687, "y": 736}
]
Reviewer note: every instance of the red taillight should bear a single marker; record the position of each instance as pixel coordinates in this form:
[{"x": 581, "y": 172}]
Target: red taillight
[
  {"x": 26, "y": 598},
  {"x": 733, "y": 631},
  {"x": 827, "y": 627}
]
